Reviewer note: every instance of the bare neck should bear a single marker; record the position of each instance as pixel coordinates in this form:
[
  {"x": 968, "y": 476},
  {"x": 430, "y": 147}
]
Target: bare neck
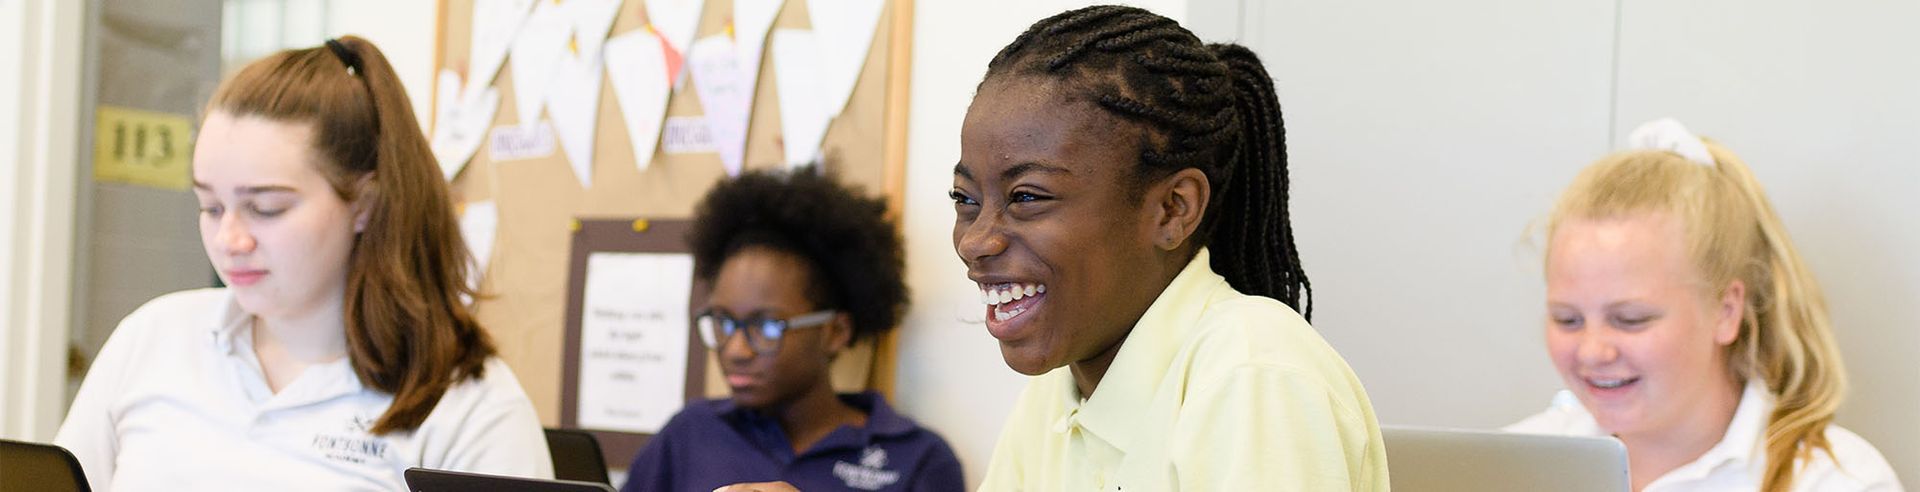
[
  {"x": 1655, "y": 453},
  {"x": 1087, "y": 373},
  {"x": 287, "y": 346}
]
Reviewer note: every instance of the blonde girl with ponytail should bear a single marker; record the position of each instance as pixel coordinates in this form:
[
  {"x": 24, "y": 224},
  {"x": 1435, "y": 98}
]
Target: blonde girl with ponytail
[{"x": 1684, "y": 323}]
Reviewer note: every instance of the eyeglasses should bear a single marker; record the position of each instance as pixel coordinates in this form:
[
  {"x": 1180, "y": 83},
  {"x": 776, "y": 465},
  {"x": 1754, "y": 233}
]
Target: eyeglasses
[{"x": 763, "y": 334}]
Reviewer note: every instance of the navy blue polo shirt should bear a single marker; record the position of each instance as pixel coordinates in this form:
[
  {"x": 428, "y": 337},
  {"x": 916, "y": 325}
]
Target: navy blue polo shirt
[{"x": 713, "y": 443}]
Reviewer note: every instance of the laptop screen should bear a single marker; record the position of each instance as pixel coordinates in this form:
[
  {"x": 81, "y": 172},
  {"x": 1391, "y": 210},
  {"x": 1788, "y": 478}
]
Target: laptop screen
[
  {"x": 39, "y": 467},
  {"x": 424, "y": 480}
]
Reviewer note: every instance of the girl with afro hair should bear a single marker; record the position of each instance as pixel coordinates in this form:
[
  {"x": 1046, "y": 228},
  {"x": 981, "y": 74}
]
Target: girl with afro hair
[{"x": 799, "y": 269}]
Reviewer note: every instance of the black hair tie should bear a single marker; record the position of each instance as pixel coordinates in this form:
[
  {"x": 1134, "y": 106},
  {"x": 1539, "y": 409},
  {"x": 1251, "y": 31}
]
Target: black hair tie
[{"x": 346, "y": 55}]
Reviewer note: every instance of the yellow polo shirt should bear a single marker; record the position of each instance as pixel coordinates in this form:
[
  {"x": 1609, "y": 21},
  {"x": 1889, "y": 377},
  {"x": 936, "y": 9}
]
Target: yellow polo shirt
[{"x": 1212, "y": 390}]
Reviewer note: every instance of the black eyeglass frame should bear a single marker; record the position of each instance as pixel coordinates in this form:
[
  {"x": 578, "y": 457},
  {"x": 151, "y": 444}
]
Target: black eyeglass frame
[{"x": 717, "y": 328}]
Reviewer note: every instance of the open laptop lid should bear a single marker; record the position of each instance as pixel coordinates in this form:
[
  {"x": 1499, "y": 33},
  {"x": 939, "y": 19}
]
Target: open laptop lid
[
  {"x": 1451, "y": 459},
  {"x": 38, "y": 467},
  {"x": 425, "y": 480}
]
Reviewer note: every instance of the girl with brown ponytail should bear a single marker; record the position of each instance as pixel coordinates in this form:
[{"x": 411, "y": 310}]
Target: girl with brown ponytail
[
  {"x": 1121, "y": 202},
  {"x": 339, "y": 354},
  {"x": 1683, "y": 322}
]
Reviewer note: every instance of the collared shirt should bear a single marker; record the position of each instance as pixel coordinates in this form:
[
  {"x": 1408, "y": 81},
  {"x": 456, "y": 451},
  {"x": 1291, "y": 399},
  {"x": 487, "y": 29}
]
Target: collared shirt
[
  {"x": 714, "y": 443},
  {"x": 1211, "y": 390},
  {"x": 176, "y": 400},
  {"x": 1738, "y": 461}
]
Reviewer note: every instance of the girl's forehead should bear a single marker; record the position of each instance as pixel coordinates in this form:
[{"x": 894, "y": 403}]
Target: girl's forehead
[
  {"x": 253, "y": 151},
  {"x": 1008, "y": 127},
  {"x": 762, "y": 276},
  {"x": 1643, "y": 252}
]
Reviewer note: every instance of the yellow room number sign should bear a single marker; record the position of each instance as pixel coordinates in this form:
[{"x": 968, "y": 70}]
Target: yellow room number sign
[{"x": 142, "y": 148}]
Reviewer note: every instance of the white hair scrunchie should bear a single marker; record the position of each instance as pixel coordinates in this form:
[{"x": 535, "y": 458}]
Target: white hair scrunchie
[{"x": 1669, "y": 135}]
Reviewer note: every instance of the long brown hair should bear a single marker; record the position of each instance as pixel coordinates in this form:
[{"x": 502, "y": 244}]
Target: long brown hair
[
  {"x": 1733, "y": 233},
  {"x": 408, "y": 333}
]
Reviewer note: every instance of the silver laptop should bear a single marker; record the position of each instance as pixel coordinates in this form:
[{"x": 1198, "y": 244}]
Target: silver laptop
[
  {"x": 425, "y": 480},
  {"x": 1430, "y": 459}
]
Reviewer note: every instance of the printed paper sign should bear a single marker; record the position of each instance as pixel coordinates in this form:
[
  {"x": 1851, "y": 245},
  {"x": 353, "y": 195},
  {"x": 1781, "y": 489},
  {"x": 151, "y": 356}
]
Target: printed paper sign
[
  {"x": 634, "y": 331},
  {"x": 516, "y": 142}
]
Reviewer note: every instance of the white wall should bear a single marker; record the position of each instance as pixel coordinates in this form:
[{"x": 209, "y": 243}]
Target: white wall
[
  {"x": 951, "y": 377},
  {"x": 1423, "y": 138},
  {"x": 1427, "y": 137},
  {"x": 1822, "y": 99},
  {"x": 404, "y": 31},
  {"x": 12, "y": 70},
  {"x": 37, "y": 197}
]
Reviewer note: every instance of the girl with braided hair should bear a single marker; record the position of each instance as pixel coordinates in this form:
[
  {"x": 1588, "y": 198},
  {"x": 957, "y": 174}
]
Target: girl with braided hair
[
  {"x": 1121, "y": 201},
  {"x": 1683, "y": 322}
]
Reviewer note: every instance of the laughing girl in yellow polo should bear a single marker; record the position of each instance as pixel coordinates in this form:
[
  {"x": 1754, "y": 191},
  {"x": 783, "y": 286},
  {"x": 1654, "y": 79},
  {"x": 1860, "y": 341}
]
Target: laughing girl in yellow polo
[{"x": 1121, "y": 202}]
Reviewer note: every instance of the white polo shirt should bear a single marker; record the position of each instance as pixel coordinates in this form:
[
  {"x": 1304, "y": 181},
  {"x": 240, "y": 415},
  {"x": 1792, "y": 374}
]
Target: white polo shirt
[
  {"x": 177, "y": 401},
  {"x": 1739, "y": 459}
]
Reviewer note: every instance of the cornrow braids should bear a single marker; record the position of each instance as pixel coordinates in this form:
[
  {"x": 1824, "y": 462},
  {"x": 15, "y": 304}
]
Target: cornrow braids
[{"x": 1206, "y": 106}]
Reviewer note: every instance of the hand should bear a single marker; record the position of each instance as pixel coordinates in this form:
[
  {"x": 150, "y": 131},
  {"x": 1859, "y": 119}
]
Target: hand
[{"x": 759, "y": 487}]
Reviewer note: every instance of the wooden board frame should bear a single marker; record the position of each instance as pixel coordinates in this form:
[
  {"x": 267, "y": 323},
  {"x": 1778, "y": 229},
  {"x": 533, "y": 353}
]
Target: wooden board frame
[{"x": 621, "y": 236}]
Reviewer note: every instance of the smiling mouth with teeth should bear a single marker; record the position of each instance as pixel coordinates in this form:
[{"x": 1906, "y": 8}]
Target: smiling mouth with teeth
[
  {"x": 1008, "y": 301},
  {"x": 1611, "y": 383}
]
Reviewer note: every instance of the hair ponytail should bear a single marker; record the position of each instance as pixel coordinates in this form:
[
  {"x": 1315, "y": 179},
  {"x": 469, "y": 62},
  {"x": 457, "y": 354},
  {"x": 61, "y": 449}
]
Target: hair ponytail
[
  {"x": 1252, "y": 238},
  {"x": 408, "y": 332},
  {"x": 1789, "y": 341},
  {"x": 1210, "y": 107}
]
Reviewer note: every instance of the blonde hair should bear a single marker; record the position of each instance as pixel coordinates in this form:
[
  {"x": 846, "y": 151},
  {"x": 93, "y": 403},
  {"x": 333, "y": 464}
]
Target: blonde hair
[{"x": 1733, "y": 233}]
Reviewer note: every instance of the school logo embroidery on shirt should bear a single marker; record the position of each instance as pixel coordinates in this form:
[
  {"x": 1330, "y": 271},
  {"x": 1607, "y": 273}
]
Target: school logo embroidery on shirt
[
  {"x": 870, "y": 474},
  {"x": 352, "y": 444}
]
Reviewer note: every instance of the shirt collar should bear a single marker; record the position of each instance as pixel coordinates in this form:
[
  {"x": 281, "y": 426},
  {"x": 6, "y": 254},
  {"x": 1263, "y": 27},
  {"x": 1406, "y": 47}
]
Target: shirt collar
[
  {"x": 880, "y": 418},
  {"x": 1738, "y": 445},
  {"x": 231, "y": 329},
  {"x": 229, "y": 324},
  {"x": 1127, "y": 390}
]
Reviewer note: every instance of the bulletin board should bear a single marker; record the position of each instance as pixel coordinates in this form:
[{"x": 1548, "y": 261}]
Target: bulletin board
[{"x": 541, "y": 204}]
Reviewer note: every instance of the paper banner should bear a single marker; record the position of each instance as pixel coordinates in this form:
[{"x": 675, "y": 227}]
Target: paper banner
[
  {"x": 460, "y": 124},
  {"x": 726, "y": 94},
  {"x": 751, "y": 20},
  {"x": 638, "y": 68},
  {"x": 574, "y": 105},
  {"x": 845, "y": 29},
  {"x": 495, "y": 22},
  {"x": 676, "y": 21},
  {"x": 797, "y": 73},
  {"x": 537, "y": 51},
  {"x": 591, "y": 20},
  {"x": 479, "y": 225}
]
